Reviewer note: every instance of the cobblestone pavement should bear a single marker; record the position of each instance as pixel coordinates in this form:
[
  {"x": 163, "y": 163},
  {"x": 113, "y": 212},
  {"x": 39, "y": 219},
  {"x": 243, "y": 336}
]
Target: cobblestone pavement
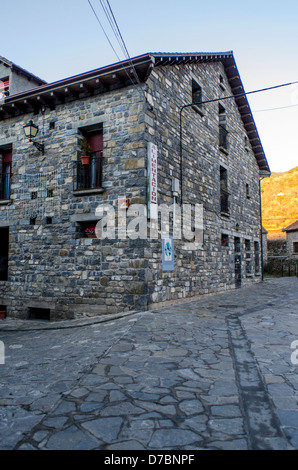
[{"x": 215, "y": 373}]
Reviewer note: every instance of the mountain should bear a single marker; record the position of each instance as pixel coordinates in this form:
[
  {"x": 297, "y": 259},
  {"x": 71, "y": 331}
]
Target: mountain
[{"x": 279, "y": 202}]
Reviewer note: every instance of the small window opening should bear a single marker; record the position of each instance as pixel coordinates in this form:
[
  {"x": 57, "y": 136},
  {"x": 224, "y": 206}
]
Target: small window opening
[
  {"x": 224, "y": 240},
  {"x": 34, "y": 195},
  {"x": 4, "y": 249},
  {"x": 247, "y": 191},
  {"x": 295, "y": 247},
  {"x": 50, "y": 193},
  {"x": 224, "y": 195},
  {"x": 88, "y": 229},
  {"x": 196, "y": 96},
  {"x": 223, "y": 133},
  {"x": 2, "y": 312},
  {"x": 39, "y": 314},
  {"x": 52, "y": 125},
  {"x": 49, "y": 220},
  {"x": 32, "y": 220},
  {"x": 237, "y": 244}
]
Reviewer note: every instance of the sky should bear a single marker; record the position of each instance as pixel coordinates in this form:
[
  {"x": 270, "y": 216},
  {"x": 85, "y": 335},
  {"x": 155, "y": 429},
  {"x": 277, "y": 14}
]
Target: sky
[{"x": 56, "y": 39}]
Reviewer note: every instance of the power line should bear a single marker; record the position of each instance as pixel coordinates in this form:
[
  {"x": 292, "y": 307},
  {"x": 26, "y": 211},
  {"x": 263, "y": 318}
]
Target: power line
[
  {"x": 275, "y": 109},
  {"x": 239, "y": 95},
  {"x": 115, "y": 28},
  {"x": 107, "y": 37}
]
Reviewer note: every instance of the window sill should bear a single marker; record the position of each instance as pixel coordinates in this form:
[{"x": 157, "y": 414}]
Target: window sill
[
  {"x": 224, "y": 150},
  {"x": 225, "y": 214},
  {"x": 87, "y": 192},
  {"x": 4, "y": 202},
  {"x": 197, "y": 110}
]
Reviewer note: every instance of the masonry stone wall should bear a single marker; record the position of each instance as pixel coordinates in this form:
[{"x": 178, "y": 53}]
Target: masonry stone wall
[
  {"x": 49, "y": 267},
  {"x": 213, "y": 268},
  {"x": 52, "y": 267}
]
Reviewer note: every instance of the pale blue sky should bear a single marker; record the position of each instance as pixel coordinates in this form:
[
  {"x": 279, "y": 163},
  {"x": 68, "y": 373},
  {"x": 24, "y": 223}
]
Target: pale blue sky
[{"x": 56, "y": 39}]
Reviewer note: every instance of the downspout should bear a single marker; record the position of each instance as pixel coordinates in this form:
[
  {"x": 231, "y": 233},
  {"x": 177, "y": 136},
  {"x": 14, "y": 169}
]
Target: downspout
[
  {"x": 261, "y": 221},
  {"x": 181, "y": 151}
]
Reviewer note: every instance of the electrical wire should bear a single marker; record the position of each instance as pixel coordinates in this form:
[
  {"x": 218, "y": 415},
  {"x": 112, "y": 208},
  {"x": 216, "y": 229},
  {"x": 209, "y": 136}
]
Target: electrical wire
[
  {"x": 107, "y": 37},
  {"x": 116, "y": 30},
  {"x": 275, "y": 109}
]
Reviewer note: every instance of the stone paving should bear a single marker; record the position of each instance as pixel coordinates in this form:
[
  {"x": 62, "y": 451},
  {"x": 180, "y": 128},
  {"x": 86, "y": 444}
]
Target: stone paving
[{"x": 214, "y": 373}]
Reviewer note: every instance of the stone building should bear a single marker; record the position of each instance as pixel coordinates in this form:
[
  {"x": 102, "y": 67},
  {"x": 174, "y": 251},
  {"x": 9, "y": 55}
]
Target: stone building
[
  {"x": 170, "y": 131},
  {"x": 292, "y": 240}
]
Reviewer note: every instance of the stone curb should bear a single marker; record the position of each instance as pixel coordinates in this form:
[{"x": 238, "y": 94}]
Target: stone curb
[{"x": 33, "y": 325}]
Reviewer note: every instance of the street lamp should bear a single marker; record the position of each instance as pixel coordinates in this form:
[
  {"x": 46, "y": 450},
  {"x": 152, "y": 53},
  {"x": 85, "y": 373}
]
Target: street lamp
[{"x": 31, "y": 130}]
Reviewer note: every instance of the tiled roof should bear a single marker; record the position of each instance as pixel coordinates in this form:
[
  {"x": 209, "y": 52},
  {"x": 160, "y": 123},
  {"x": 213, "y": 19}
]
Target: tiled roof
[{"x": 291, "y": 228}]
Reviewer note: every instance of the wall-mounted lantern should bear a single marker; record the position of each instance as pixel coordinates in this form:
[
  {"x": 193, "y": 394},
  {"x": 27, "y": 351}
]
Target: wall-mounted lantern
[{"x": 31, "y": 130}]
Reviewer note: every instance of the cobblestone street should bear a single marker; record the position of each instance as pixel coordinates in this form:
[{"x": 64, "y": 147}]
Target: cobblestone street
[{"x": 214, "y": 373}]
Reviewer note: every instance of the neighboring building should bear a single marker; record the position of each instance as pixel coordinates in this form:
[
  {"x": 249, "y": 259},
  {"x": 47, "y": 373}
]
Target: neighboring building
[
  {"x": 292, "y": 240},
  {"x": 14, "y": 79},
  {"x": 265, "y": 245},
  {"x": 147, "y": 109}
]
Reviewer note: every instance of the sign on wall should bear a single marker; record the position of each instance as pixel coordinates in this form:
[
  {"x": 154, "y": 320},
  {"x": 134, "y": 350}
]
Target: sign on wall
[
  {"x": 168, "y": 254},
  {"x": 152, "y": 181}
]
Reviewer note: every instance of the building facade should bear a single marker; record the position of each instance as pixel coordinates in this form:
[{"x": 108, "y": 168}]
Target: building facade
[
  {"x": 172, "y": 145},
  {"x": 292, "y": 240}
]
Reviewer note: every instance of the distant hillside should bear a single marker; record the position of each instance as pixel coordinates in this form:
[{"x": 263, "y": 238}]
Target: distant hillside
[{"x": 280, "y": 202}]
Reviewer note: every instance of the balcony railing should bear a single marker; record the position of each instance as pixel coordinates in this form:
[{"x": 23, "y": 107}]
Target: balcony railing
[
  {"x": 223, "y": 138},
  {"x": 88, "y": 176},
  {"x": 5, "y": 181}
]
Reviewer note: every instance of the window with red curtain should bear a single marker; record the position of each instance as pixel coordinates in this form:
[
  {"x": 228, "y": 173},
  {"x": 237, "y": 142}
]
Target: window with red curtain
[
  {"x": 4, "y": 87},
  {"x": 96, "y": 143}
]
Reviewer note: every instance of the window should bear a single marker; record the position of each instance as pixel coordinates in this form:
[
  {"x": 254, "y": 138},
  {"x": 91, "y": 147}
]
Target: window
[
  {"x": 246, "y": 144},
  {"x": 295, "y": 247},
  {"x": 248, "y": 258},
  {"x": 88, "y": 229},
  {"x": 224, "y": 240},
  {"x": 2, "y": 311},
  {"x": 4, "y": 88},
  {"x": 89, "y": 173},
  {"x": 196, "y": 96},
  {"x": 6, "y": 174},
  {"x": 237, "y": 245},
  {"x": 223, "y": 133},
  {"x": 4, "y": 247},
  {"x": 39, "y": 314},
  {"x": 221, "y": 82},
  {"x": 224, "y": 195},
  {"x": 257, "y": 257},
  {"x": 247, "y": 191}
]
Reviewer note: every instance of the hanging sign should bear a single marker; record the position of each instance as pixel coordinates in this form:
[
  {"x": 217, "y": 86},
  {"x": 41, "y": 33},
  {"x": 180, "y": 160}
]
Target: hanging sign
[{"x": 152, "y": 181}]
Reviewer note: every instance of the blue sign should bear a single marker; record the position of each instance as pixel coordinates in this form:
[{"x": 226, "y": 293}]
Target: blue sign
[{"x": 168, "y": 254}]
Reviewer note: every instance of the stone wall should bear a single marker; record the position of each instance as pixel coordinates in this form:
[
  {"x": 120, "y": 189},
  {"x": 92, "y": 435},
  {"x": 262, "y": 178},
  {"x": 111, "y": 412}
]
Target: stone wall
[
  {"x": 212, "y": 268},
  {"x": 49, "y": 266}
]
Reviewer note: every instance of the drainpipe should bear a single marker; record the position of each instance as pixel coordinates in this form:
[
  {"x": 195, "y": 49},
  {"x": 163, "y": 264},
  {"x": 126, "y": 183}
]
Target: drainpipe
[
  {"x": 261, "y": 221},
  {"x": 181, "y": 151}
]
